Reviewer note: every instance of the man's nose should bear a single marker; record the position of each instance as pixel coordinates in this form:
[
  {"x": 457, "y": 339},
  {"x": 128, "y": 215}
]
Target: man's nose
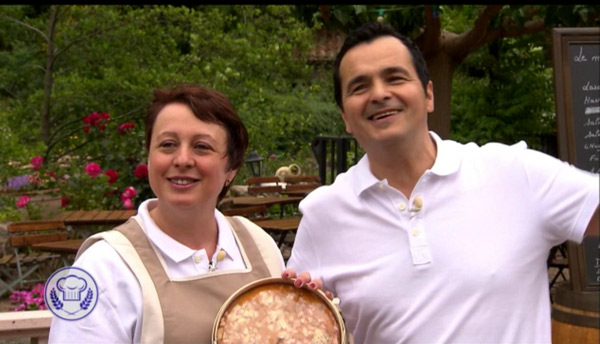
[{"x": 380, "y": 92}]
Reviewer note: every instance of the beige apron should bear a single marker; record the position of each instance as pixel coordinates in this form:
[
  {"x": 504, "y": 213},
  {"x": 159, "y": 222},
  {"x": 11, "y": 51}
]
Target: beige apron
[{"x": 180, "y": 311}]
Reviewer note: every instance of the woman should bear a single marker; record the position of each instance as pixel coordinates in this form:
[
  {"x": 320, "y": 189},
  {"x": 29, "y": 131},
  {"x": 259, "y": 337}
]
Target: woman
[{"x": 187, "y": 257}]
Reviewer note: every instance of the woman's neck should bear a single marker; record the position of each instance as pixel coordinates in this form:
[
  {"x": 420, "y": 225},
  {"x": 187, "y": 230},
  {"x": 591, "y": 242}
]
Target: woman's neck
[{"x": 194, "y": 228}]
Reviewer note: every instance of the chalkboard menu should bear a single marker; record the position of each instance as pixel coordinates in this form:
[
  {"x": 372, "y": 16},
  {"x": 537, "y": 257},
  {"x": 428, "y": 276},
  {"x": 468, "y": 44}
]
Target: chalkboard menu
[{"x": 576, "y": 54}]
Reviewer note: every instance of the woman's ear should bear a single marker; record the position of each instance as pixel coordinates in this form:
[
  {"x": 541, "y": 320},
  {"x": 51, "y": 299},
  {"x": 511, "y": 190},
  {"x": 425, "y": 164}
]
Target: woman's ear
[{"x": 229, "y": 176}]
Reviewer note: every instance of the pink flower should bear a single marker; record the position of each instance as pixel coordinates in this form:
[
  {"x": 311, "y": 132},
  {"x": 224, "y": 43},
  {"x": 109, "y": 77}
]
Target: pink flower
[
  {"x": 141, "y": 171},
  {"x": 129, "y": 192},
  {"x": 64, "y": 201},
  {"x": 38, "y": 288},
  {"x": 112, "y": 176},
  {"x": 127, "y": 203},
  {"x": 23, "y": 201},
  {"x": 93, "y": 169},
  {"x": 37, "y": 162},
  {"x": 125, "y": 127}
]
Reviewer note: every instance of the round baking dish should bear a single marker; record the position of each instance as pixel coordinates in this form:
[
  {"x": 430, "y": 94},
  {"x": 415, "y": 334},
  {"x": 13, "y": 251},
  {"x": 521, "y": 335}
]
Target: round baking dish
[{"x": 273, "y": 311}]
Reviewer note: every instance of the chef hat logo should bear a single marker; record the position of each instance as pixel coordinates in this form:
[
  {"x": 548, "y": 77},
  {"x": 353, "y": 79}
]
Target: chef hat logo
[{"x": 71, "y": 286}]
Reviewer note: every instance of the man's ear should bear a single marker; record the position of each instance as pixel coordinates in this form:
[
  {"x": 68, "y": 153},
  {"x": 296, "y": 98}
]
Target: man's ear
[
  {"x": 348, "y": 128},
  {"x": 429, "y": 97}
]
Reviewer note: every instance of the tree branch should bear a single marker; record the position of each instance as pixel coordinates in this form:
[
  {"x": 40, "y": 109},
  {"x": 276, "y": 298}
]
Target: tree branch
[
  {"x": 86, "y": 37},
  {"x": 27, "y": 26},
  {"x": 531, "y": 26},
  {"x": 67, "y": 152},
  {"x": 474, "y": 38}
]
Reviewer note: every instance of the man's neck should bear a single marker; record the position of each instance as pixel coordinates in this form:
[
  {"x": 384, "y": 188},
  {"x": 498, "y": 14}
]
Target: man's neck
[{"x": 403, "y": 163}]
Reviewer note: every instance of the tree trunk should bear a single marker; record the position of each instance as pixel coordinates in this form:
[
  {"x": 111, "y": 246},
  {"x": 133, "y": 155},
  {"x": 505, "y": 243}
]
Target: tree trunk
[
  {"x": 441, "y": 69},
  {"x": 48, "y": 80}
]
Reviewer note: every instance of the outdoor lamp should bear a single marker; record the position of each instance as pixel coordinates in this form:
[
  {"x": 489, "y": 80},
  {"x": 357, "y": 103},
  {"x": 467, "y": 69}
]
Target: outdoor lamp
[{"x": 254, "y": 162}]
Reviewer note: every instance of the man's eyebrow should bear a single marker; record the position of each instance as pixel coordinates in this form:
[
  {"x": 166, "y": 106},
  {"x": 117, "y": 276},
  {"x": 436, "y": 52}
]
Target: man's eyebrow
[{"x": 396, "y": 69}]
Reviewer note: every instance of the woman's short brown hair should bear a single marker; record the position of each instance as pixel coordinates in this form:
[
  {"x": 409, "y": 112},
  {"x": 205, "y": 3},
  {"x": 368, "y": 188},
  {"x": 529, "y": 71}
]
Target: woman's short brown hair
[{"x": 208, "y": 106}]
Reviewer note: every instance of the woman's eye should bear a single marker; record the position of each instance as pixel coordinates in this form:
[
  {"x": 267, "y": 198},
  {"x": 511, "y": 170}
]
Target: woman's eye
[
  {"x": 201, "y": 146},
  {"x": 167, "y": 144}
]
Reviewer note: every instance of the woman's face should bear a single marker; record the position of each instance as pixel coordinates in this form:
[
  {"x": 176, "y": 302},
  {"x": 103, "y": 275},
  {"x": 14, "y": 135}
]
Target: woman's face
[{"x": 187, "y": 160}]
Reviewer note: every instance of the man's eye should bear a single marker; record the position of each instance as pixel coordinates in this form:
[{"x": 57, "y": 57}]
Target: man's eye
[
  {"x": 358, "y": 88},
  {"x": 397, "y": 79}
]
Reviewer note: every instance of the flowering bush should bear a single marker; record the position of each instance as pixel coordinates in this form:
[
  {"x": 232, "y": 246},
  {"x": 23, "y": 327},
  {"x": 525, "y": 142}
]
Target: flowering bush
[
  {"x": 95, "y": 119},
  {"x": 25, "y": 300},
  {"x": 108, "y": 172}
]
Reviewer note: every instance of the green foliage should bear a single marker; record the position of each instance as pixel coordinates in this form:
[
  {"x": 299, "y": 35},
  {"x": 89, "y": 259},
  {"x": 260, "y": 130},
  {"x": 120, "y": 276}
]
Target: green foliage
[
  {"x": 504, "y": 93},
  {"x": 108, "y": 59},
  {"x": 8, "y": 210}
]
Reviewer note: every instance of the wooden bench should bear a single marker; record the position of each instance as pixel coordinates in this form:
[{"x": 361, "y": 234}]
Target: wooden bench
[
  {"x": 16, "y": 267},
  {"x": 263, "y": 185},
  {"x": 301, "y": 185}
]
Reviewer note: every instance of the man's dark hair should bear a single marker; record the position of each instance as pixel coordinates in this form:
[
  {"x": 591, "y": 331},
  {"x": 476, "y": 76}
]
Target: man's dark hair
[{"x": 368, "y": 33}]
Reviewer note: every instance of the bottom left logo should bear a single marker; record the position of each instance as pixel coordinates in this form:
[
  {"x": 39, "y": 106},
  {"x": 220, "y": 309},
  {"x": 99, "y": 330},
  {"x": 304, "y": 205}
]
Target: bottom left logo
[{"x": 71, "y": 293}]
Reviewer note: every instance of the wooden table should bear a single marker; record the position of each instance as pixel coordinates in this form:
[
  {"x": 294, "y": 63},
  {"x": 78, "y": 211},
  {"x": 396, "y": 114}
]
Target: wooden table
[
  {"x": 281, "y": 226},
  {"x": 260, "y": 200},
  {"x": 95, "y": 217},
  {"x": 63, "y": 247},
  {"x": 66, "y": 248},
  {"x": 245, "y": 201},
  {"x": 296, "y": 193},
  {"x": 78, "y": 220}
]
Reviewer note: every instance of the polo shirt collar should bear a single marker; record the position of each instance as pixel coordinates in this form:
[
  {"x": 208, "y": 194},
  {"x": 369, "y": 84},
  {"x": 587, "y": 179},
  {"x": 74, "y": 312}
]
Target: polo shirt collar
[
  {"x": 447, "y": 162},
  {"x": 363, "y": 177},
  {"x": 175, "y": 250}
]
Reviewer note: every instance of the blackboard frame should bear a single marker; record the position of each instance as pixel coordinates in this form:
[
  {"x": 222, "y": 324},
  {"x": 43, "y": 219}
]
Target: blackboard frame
[{"x": 562, "y": 39}]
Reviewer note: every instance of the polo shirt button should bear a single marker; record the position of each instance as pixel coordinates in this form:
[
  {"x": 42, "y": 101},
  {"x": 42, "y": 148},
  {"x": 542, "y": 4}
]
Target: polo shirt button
[
  {"x": 197, "y": 259},
  {"x": 402, "y": 206},
  {"x": 415, "y": 232},
  {"x": 380, "y": 186}
]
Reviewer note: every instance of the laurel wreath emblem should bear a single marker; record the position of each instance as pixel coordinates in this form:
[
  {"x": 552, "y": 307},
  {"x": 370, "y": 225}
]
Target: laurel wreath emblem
[
  {"x": 55, "y": 300},
  {"x": 85, "y": 304}
]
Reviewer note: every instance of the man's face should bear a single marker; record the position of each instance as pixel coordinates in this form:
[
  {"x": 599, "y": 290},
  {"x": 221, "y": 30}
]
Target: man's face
[{"x": 384, "y": 101}]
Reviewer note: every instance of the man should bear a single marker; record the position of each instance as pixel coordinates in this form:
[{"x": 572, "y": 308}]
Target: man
[{"x": 428, "y": 240}]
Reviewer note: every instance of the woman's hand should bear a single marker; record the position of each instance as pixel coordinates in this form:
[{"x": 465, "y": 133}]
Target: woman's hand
[{"x": 303, "y": 280}]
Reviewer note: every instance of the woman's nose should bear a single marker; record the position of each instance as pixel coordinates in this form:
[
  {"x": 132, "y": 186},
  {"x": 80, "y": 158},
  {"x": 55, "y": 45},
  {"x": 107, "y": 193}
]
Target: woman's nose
[{"x": 183, "y": 158}]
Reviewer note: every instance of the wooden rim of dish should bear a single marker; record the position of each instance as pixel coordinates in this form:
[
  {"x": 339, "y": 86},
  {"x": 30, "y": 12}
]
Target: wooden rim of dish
[{"x": 278, "y": 280}]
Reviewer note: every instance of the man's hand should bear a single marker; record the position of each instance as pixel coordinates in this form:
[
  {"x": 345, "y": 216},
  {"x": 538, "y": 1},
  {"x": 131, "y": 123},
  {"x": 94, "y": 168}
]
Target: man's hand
[{"x": 303, "y": 280}]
